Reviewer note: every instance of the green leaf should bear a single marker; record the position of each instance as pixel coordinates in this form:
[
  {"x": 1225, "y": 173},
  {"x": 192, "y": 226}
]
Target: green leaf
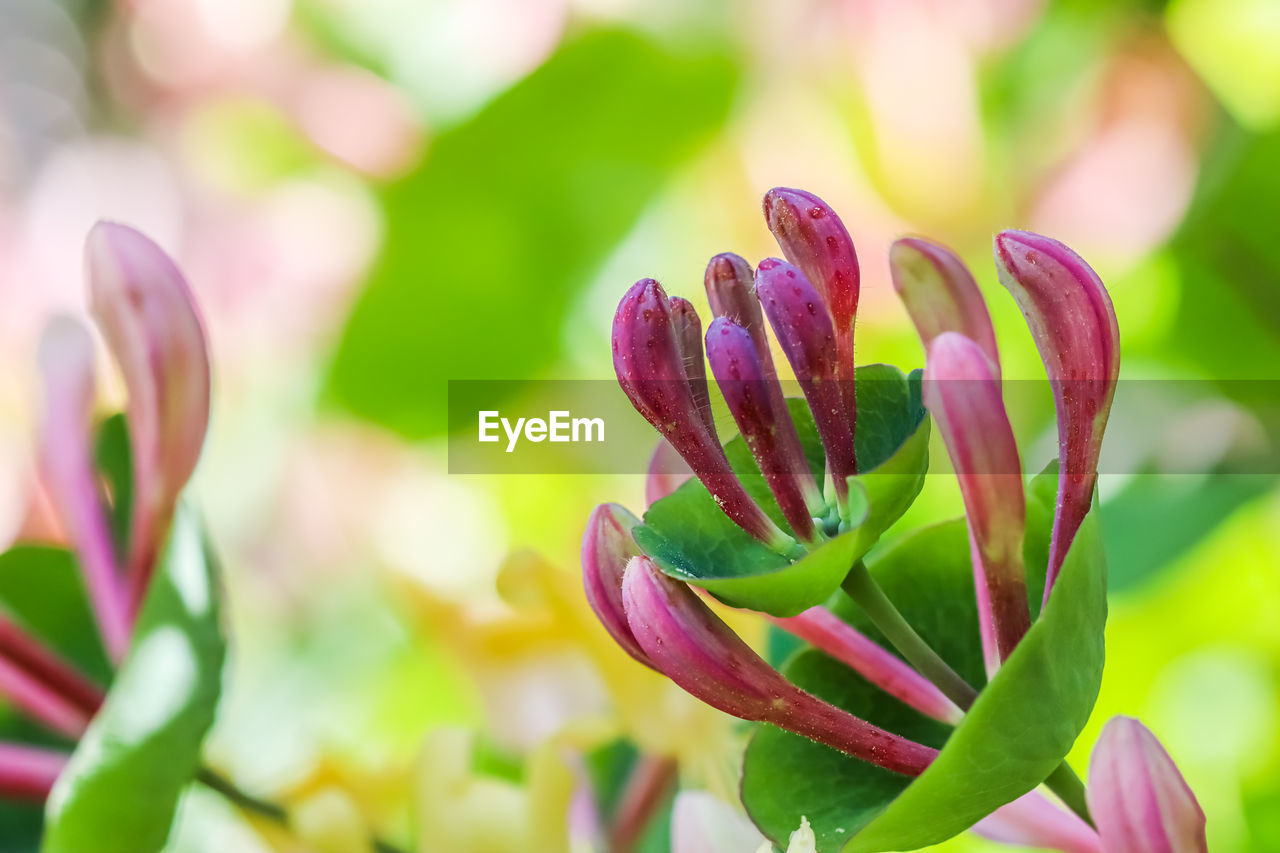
[
  {"x": 115, "y": 462},
  {"x": 928, "y": 577},
  {"x": 1023, "y": 723},
  {"x": 512, "y": 213},
  {"x": 121, "y": 788},
  {"x": 690, "y": 537}
]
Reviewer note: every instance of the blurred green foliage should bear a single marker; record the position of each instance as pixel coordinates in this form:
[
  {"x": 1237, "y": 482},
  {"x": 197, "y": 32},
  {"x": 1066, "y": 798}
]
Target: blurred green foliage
[{"x": 511, "y": 213}]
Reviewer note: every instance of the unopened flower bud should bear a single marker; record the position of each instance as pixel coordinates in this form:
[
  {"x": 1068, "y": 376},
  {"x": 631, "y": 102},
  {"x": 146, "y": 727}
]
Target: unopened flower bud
[{"x": 940, "y": 294}]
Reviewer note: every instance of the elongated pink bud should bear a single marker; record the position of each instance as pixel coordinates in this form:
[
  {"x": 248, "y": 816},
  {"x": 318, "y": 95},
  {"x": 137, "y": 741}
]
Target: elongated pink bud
[
  {"x": 40, "y": 702},
  {"x": 766, "y": 427},
  {"x": 828, "y": 633},
  {"x": 30, "y": 655},
  {"x": 650, "y": 369},
  {"x": 804, "y": 331},
  {"x": 1033, "y": 820},
  {"x": 940, "y": 295},
  {"x": 607, "y": 547},
  {"x": 149, "y": 318},
  {"x": 814, "y": 239},
  {"x": 698, "y": 651},
  {"x": 66, "y": 464},
  {"x": 28, "y": 772},
  {"x": 963, "y": 396},
  {"x": 1074, "y": 327},
  {"x": 1138, "y": 799},
  {"x": 688, "y": 330},
  {"x": 731, "y": 293}
]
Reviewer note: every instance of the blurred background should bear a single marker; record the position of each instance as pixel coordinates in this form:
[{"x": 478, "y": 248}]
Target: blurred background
[{"x": 372, "y": 197}]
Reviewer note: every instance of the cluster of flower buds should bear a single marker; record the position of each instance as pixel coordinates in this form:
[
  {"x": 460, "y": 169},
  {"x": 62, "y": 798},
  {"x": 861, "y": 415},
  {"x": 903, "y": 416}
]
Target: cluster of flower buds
[
  {"x": 810, "y": 302},
  {"x": 152, "y": 327},
  {"x": 1074, "y": 326}
]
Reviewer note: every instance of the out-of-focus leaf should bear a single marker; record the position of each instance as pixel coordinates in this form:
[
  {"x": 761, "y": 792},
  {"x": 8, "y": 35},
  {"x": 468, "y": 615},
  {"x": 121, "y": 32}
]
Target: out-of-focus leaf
[
  {"x": 115, "y": 462},
  {"x": 121, "y": 789},
  {"x": 511, "y": 213},
  {"x": 1023, "y": 723},
  {"x": 691, "y": 538}
]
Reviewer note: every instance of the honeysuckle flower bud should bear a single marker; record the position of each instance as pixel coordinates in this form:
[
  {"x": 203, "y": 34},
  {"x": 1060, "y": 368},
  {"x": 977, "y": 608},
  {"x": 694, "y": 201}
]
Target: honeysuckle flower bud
[
  {"x": 1074, "y": 327},
  {"x": 28, "y": 772},
  {"x": 963, "y": 396},
  {"x": 767, "y": 429},
  {"x": 940, "y": 294},
  {"x": 1138, "y": 799},
  {"x": 804, "y": 331},
  {"x": 607, "y": 547},
  {"x": 731, "y": 293},
  {"x": 66, "y": 463},
  {"x": 37, "y": 681},
  {"x": 693, "y": 647},
  {"x": 827, "y": 632},
  {"x": 650, "y": 369},
  {"x": 667, "y": 472},
  {"x": 1033, "y": 820},
  {"x": 152, "y": 326},
  {"x": 814, "y": 239},
  {"x": 688, "y": 329}
]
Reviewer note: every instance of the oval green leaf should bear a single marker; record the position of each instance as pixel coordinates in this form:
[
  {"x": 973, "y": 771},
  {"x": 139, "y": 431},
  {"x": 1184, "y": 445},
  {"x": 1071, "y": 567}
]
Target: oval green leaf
[{"x": 121, "y": 787}]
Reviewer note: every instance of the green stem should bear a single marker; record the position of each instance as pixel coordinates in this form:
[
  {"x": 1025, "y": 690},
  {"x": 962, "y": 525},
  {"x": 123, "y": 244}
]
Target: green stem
[
  {"x": 274, "y": 812},
  {"x": 868, "y": 595},
  {"x": 1064, "y": 782}
]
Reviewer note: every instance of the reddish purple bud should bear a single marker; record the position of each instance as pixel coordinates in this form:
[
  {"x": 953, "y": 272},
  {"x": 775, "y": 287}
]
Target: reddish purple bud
[
  {"x": 824, "y": 630},
  {"x": 152, "y": 326},
  {"x": 667, "y": 472},
  {"x": 28, "y": 772},
  {"x": 940, "y": 294},
  {"x": 67, "y": 468},
  {"x": 963, "y": 396},
  {"x": 805, "y": 333},
  {"x": 766, "y": 426},
  {"x": 650, "y": 368},
  {"x": 731, "y": 293},
  {"x": 814, "y": 239},
  {"x": 607, "y": 547},
  {"x": 688, "y": 330},
  {"x": 693, "y": 647},
  {"x": 1138, "y": 799},
  {"x": 1074, "y": 327}
]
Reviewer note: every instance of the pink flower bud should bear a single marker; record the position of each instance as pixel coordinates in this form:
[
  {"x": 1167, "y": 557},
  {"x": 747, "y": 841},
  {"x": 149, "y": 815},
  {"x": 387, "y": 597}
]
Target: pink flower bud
[
  {"x": 28, "y": 772},
  {"x": 607, "y": 547},
  {"x": 697, "y": 650},
  {"x": 688, "y": 330},
  {"x": 731, "y": 293},
  {"x": 1138, "y": 799},
  {"x": 67, "y": 467},
  {"x": 963, "y": 396},
  {"x": 650, "y": 368},
  {"x": 152, "y": 326},
  {"x": 814, "y": 239},
  {"x": 805, "y": 333},
  {"x": 940, "y": 294},
  {"x": 1074, "y": 327},
  {"x": 766, "y": 427}
]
